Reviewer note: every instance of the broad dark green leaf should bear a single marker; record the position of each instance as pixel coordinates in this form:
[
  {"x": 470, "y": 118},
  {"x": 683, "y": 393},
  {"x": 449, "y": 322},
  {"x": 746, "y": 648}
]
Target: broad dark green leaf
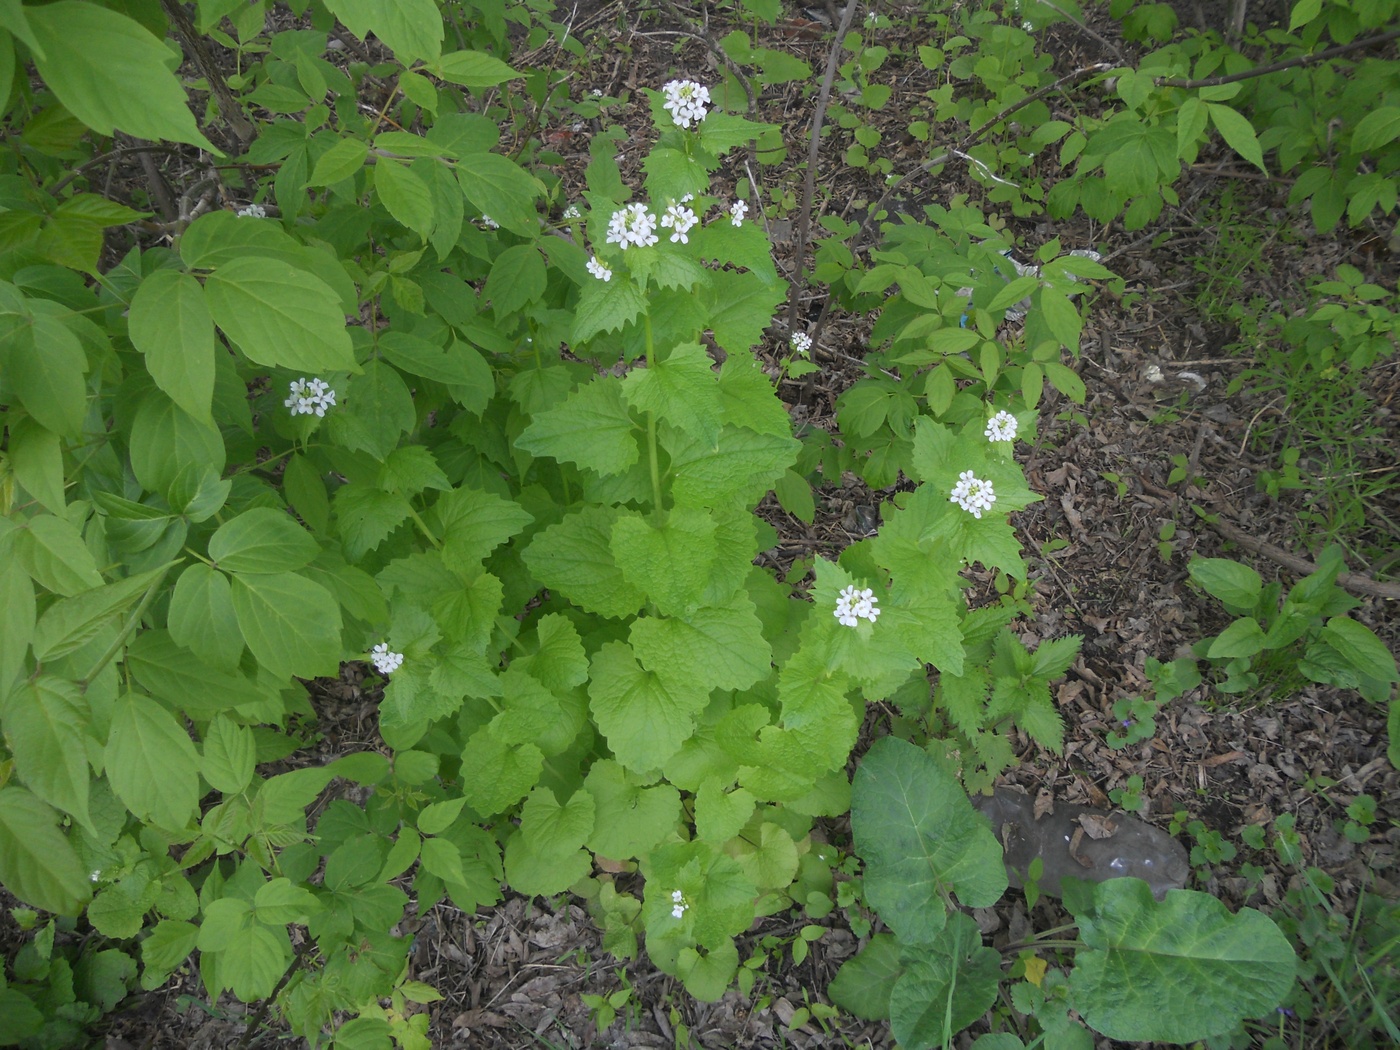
[
  {"x": 170, "y": 324},
  {"x": 45, "y": 723},
  {"x": 945, "y": 986},
  {"x": 37, "y": 863},
  {"x": 151, "y": 763},
  {"x": 202, "y": 619},
  {"x": 263, "y": 539},
  {"x": 291, "y": 624},
  {"x": 280, "y": 315},
  {"x": 69, "y": 624}
]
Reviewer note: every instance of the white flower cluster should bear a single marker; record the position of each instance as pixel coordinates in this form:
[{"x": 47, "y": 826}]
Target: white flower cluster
[
  {"x": 738, "y": 211},
  {"x": 632, "y": 225},
  {"x": 679, "y": 219},
  {"x": 384, "y": 661},
  {"x": 253, "y": 211},
  {"x": 490, "y": 223},
  {"x": 854, "y": 605},
  {"x": 310, "y": 397},
  {"x": 972, "y": 494},
  {"x": 802, "y": 343},
  {"x": 1001, "y": 427},
  {"x": 678, "y": 904},
  {"x": 871, "y": 20},
  {"x": 598, "y": 270},
  {"x": 686, "y": 101},
  {"x": 572, "y": 212}
]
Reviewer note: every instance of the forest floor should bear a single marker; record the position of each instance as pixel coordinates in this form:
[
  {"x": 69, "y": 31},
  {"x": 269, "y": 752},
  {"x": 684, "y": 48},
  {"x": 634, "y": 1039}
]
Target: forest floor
[{"x": 513, "y": 974}]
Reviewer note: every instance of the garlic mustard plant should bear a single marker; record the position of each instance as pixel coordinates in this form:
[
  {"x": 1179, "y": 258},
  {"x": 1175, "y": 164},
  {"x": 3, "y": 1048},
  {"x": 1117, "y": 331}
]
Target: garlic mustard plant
[
  {"x": 252, "y": 211},
  {"x": 737, "y": 211},
  {"x": 972, "y": 494},
  {"x": 854, "y": 605},
  {"x": 632, "y": 225},
  {"x": 1001, "y": 427},
  {"x": 679, "y": 219},
  {"x": 679, "y": 905},
  {"x": 310, "y": 397},
  {"x": 686, "y": 101},
  {"x": 385, "y": 662},
  {"x": 801, "y": 344},
  {"x": 598, "y": 270}
]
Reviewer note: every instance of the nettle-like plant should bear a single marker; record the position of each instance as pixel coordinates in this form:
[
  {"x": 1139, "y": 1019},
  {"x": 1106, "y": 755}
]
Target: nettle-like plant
[{"x": 520, "y": 484}]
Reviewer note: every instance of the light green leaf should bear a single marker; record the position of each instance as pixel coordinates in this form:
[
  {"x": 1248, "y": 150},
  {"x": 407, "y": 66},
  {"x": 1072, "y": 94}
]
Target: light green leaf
[
  {"x": 439, "y": 816},
  {"x": 229, "y": 755},
  {"x": 37, "y": 863},
  {"x": 280, "y": 902},
  {"x": 151, "y": 763},
  {"x": 1175, "y": 971},
  {"x": 1244, "y": 637},
  {"x": 1238, "y": 133},
  {"x": 460, "y": 365},
  {"x": 501, "y": 189},
  {"x": 644, "y": 715},
  {"x": 37, "y": 460},
  {"x": 559, "y": 663},
  {"x": 254, "y": 960},
  {"x": 591, "y": 428},
  {"x": 69, "y": 624},
  {"x": 629, "y": 819},
  {"x": 1376, "y": 129},
  {"x": 920, "y": 837},
  {"x": 713, "y": 647},
  {"x": 405, "y": 194},
  {"x": 263, "y": 539},
  {"x": 366, "y": 515},
  {"x": 378, "y": 409},
  {"x": 166, "y": 947},
  {"x": 863, "y": 984},
  {"x": 1238, "y": 586},
  {"x": 475, "y": 523},
  {"x": 544, "y": 857},
  {"x": 291, "y": 624},
  {"x": 52, "y": 551},
  {"x": 473, "y": 69},
  {"x": 166, "y": 440},
  {"x": 739, "y": 466},
  {"x": 606, "y": 306},
  {"x": 339, "y": 162},
  {"x": 45, "y": 721},
  {"x": 748, "y": 399},
  {"x": 740, "y": 308},
  {"x": 202, "y": 619},
  {"x": 681, "y": 387},
  {"x": 17, "y": 610},
  {"x": 517, "y": 277},
  {"x": 1359, "y": 646},
  {"x": 43, "y": 364},
  {"x": 501, "y": 772},
  {"x": 186, "y": 682},
  {"x": 110, "y": 72},
  {"x": 670, "y": 561},
  {"x": 280, "y": 315},
  {"x": 411, "y": 28},
  {"x": 575, "y": 558},
  {"x": 170, "y": 323}
]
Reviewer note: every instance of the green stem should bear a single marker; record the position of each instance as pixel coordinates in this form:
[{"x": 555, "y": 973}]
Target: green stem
[
  {"x": 653, "y": 457},
  {"x": 423, "y": 528},
  {"x": 128, "y": 629}
]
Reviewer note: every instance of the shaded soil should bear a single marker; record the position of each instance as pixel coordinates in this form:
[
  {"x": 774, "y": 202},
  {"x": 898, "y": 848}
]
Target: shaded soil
[{"x": 513, "y": 974}]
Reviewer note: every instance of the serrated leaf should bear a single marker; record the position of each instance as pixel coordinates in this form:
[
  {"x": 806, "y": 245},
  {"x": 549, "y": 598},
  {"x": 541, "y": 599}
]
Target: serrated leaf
[
  {"x": 475, "y": 523},
  {"x": 629, "y": 819},
  {"x": 151, "y": 763},
  {"x": 69, "y": 624},
  {"x": 644, "y": 715},
  {"x": 575, "y": 558},
  {"x": 607, "y": 306},
  {"x": 748, "y": 400},
  {"x": 37, "y": 863},
  {"x": 366, "y": 515},
  {"x": 280, "y": 316},
  {"x": 592, "y": 428},
  {"x": 501, "y": 773},
  {"x": 945, "y": 986},
  {"x": 740, "y": 308},
  {"x": 170, "y": 323},
  {"x": 291, "y": 624},
  {"x": 680, "y": 387},
  {"x": 184, "y": 681},
  {"x": 501, "y": 189},
  {"x": 544, "y": 856},
  {"x": 739, "y": 466},
  {"x": 712, "y": 647},
  {"x": 517, "y": 277},
  {"x": 559, "y": 663},
  {"x": 413, "y": 29},
  {"x": 669, "y": 560},
  {"x": 863, "y": 984},
  {"x": 378, "y": 409},
  {"x": 339, "y": 162}
]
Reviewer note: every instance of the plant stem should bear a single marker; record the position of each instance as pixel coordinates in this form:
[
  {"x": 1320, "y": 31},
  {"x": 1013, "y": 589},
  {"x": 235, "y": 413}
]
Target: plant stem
[{"x": 423, "y": 528}]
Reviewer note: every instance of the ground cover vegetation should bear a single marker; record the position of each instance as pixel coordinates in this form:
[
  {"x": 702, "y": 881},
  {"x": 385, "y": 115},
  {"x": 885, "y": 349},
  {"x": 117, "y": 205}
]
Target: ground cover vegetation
[{"x": 364, "y": 374}]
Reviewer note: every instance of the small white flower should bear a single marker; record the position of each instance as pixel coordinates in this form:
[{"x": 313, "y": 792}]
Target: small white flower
[
  {"x": 597, "y": 92},
  {"x": 678, "y": 904},
  {"x": 252, "y": 211},
  {"x": 1001, "y": 427},
  {"x": 686, "y": 101},
  {"x": 93, "y": 876},
  {"x": 802, "y": 343},
  {"x": 632, "y": 225},
  {"x": 972, "y": 494},
  {"x": 384, "y": 661},
  {"x": 490, "y": 223},
  {"x": 572, "y": 212},
  {"x": 598, "y": 270},
  {"x": 738, "y": 211},
  {"x": 853, "y": 605},
  {"x": 679, "y": 219},
  {"x": 310, "y": 397},
  {"x": 871, "y": 19}
]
